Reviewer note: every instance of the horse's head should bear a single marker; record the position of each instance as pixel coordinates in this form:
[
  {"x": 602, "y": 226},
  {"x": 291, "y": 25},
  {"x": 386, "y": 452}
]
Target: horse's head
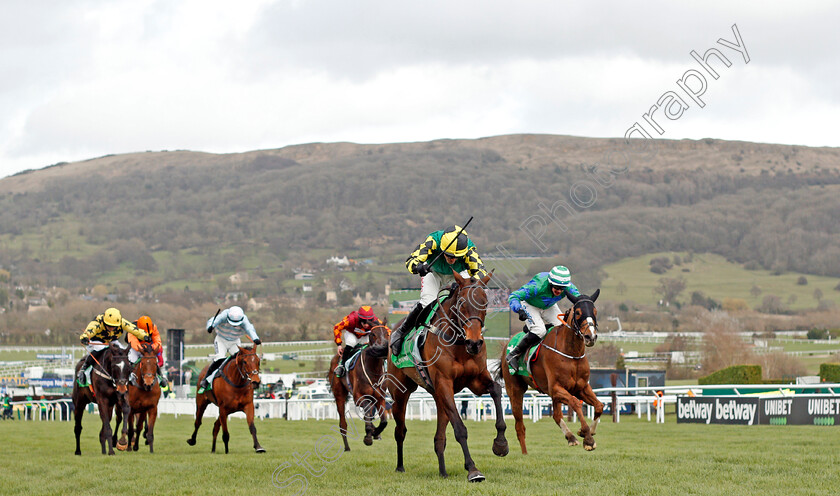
[
  {"x": 146, "y": 369},
  {"x": 469, "y": 309},
  {"x": 583, "y": 316},
  {"x": 248, "y": 364},
  {"x": 119, "y": 367}
]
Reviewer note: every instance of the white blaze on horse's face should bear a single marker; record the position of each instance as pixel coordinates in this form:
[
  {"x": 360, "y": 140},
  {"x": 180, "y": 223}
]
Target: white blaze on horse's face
[{"x": 590, "y": 338}]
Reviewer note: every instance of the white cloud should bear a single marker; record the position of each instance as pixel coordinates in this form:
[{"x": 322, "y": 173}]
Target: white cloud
[{"x": 82, "y": 79}]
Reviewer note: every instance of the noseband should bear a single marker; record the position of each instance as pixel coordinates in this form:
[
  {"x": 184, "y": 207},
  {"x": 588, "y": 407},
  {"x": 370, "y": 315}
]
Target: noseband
[{"x": 576, "y": 325}]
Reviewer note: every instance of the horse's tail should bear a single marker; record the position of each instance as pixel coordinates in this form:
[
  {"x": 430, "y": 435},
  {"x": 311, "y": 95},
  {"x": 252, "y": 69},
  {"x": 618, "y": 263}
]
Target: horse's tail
[
  {"x": 497, "y": 374},
  {"x": 378, "y": 351}
]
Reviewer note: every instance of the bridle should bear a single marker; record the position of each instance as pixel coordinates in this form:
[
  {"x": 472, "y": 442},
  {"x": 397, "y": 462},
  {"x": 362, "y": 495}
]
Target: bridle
[
  {"x": 576, "y": 325},
  {"x": 457, "y": 321},
  {"x": 243, "y": 374},
  {"x": 143, "y": 384}
]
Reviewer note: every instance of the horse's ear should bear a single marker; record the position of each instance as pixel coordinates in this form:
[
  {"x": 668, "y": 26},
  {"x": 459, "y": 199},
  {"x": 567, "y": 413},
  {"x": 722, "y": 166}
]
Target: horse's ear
[
  {"x": 595, "y": 294},
  {"x": 459, "y": 278},
  {"x": 486, "y": 279},
  {"x": 570, "y": 296}
]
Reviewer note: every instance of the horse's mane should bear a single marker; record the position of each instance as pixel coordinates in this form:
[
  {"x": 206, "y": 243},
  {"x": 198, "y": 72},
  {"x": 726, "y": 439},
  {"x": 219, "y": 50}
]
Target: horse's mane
[{"x": 378, "y": 351}]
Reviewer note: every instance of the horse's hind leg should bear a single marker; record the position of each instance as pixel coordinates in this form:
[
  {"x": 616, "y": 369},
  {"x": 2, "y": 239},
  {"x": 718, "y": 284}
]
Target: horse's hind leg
[
  {"x": 249, "y": 417},
  {"x": 516, "y": 388},
  {"x": 398, "y": 410},
  {"x": 201, "y": 405},
  {"x": 225, "y": 434},
  {"x": 134, "y": 444},
  {"x": 79, "y": 408},
  {"x": 340, "y": 402},
  {"x": 216, "y": 426}
]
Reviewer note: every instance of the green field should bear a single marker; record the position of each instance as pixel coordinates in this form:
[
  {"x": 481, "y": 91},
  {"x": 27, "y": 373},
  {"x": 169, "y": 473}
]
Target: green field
[
  {"x": 715, "y": 277},
  {"x": 634, "y": 457}
]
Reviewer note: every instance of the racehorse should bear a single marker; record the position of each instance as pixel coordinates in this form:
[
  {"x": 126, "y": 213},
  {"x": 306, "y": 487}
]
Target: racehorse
[
  {"x": 109, "y": 384},
  {"x": 365, "y": 380},
  {"x": 143, "y": 398},
  {"x": 561, "y": 370},
  {"x": 232, "y": 391},
  {"x": 456, "y": 358}
]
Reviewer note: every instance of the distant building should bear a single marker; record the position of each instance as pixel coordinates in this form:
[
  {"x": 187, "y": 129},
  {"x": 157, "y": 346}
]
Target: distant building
[
  {"x": 304, "y": 276},
  {"x": 339, "y": 261}
]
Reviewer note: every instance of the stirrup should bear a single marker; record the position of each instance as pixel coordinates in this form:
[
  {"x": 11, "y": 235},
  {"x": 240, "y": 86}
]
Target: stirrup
[{"x": 339, "y": 370}]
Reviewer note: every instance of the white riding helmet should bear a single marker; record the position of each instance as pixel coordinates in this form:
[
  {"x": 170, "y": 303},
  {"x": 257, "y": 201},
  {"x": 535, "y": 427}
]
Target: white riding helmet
[{"x": 235, "y": 316}]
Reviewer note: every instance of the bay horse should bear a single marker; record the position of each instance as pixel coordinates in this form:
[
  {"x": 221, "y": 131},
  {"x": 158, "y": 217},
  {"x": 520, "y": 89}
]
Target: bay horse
[
  {"x": 366, "y": 381},
  {"x": 232, "y": 391},
  {"x": 143, "y": 398},
  {"x": 109, "y": 384},
  {"x": 561, "y": 371},
  {"x": 456, "y": 358}
]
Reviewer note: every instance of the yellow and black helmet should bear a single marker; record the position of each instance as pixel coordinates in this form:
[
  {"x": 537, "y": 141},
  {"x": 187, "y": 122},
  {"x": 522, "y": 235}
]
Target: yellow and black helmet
[
  {"x": 112, "y": 317},
  {"x": 454, "y": 241}
]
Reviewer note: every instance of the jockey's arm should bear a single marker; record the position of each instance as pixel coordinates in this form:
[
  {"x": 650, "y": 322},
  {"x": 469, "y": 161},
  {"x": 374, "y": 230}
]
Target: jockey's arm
[
  {"x": 474, "y": 264},
  {"x": 250, "y": 330},
  {"x": 133, "y": 329},
  {"x": 421, "y": 254},
  {"x": 90, "y": 330}
]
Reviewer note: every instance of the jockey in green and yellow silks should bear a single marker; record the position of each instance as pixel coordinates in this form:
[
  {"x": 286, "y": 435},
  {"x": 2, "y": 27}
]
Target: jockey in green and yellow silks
[{"x": 434, "y": 260}]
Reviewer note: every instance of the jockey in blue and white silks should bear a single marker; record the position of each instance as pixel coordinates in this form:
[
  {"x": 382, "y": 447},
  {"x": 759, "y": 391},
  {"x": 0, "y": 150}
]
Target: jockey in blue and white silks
[{"x": 230, "y": 325}]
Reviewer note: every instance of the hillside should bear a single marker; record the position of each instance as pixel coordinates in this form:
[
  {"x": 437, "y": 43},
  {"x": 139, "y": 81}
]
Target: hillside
[{"x": 161, "y": 220}]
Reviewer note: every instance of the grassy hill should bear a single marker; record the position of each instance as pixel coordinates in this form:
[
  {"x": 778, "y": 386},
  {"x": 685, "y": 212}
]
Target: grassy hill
[{"x": 716, "y": 278}]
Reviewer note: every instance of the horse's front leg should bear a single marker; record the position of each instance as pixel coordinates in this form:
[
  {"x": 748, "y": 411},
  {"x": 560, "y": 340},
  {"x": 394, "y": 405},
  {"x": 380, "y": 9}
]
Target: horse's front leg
[
  {"x": 485, "y": 384},
  {"x": 559, "y": 395},
  {"x": 383, "y": 418},
  {"x": 123, "y": 412},
  {"x": 445, "y": 398},
  {"x": 440, "y": 437},
  {"x": 249, "y": 417},
  {"x": 105, "y": 434},
  {"x": 588, "y": 396}
]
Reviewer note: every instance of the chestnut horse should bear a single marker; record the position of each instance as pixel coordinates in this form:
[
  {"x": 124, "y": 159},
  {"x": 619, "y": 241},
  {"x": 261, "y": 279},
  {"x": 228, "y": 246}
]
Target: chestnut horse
[
  {"x": 143, "y": 398},
  {"x": 456, "y": 357},
  {"x": 233, "y": 391},
  {"x": 561, "y": 371},
  {"x": 366, "y": 381},
  {"x": 109, "y": 382}
]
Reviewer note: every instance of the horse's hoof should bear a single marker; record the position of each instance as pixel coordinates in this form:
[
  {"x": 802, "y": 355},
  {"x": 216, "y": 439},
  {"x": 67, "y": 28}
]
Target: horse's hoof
[
  {"x": 260, "y": 449},
  {"x": 347, "y": 449},
  {"x": 444, "y": 475},
  {"x": 122, "y": 447},
  {"x": 136, "y": 448},
  {"x": 501, "y": 449},
  {"x": 378, "y": 438},
  {"x": 400, "y": 469},
  {"x": 573, "y": 442},
  {"x": 475, "y": 477},
  {"x": 368, "y": 441},
  {"x": 191, "y": 442},
  {"x": 78, "y": 453},
  {"x": 589, "y": 448}
]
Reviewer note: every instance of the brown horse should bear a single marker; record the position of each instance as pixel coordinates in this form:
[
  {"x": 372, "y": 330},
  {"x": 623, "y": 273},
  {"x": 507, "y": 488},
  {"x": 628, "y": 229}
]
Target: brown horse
[
  {"x": 366, "y": 381},
  {"x": 143, "y": 398},
  {"x": 561, "y": 371},
  {"x": 109, "y": 384},
  {"x": 233, "y": 391},
  {"x": 456, "y": 358}
]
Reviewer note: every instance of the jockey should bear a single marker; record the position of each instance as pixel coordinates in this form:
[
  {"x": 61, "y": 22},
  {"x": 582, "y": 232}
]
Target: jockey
[
  {"x": 230, "y": 325},
  {"x": 105, "y": 329},
  {"x": 134, "y": 354},
  {"x": 459, "y": 254},
  {"x": 353, "y": 330},
  {"x": 537, "y": 300}
]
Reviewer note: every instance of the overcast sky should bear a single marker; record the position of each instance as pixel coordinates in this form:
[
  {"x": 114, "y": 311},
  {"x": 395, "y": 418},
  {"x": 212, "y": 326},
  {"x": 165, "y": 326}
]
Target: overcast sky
[{"x": 85, "y": 78}]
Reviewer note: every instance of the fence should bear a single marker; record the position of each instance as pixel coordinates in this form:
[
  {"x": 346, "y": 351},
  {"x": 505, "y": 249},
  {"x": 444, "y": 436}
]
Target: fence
[{"x": 422, "y": 407}]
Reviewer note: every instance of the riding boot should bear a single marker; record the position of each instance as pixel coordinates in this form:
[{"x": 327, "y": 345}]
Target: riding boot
[
  {"x": 530, "y": 339},
  {"x": 406, "y": 326},
  {"x": 162, "y": 378},
  {"x": 205, "y": 384},
  {"x": 341, "y": 368},
  {"x": 89, "y": 361}
]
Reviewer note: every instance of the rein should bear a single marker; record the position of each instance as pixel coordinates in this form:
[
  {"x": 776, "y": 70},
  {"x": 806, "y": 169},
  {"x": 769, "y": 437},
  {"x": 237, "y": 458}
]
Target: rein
[
  {"x": 241, "y": 374},
  {"x": 457, "y": 323},
  {"x": 574, "y": 327}
]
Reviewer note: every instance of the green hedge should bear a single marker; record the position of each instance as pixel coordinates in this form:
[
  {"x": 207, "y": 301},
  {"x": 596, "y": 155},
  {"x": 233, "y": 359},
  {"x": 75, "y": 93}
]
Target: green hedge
[
  {"x": 737, "y": 374},
  {"x": 830, "y": 372}
]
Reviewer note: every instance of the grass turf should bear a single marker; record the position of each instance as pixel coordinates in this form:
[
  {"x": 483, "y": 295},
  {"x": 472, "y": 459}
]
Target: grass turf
[{"x": 633, "y": 457}]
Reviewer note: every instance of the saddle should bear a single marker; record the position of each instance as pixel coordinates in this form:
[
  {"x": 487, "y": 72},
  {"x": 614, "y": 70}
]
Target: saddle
[
  {"x": 212, "y": 377},
  {"x": 528, "y": 358},
  {"x": 351, "y": 362}
]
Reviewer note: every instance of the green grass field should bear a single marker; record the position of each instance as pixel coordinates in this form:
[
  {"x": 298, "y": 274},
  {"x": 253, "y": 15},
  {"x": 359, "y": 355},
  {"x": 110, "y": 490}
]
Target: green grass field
[
  {"x": 715, "y": 277},
  {"x": 633, "y": 457}
]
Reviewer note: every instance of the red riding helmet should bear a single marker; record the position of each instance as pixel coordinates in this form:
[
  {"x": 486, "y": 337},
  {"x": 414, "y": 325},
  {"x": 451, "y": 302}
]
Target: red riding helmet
[{"x": 366, "y": 314}]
